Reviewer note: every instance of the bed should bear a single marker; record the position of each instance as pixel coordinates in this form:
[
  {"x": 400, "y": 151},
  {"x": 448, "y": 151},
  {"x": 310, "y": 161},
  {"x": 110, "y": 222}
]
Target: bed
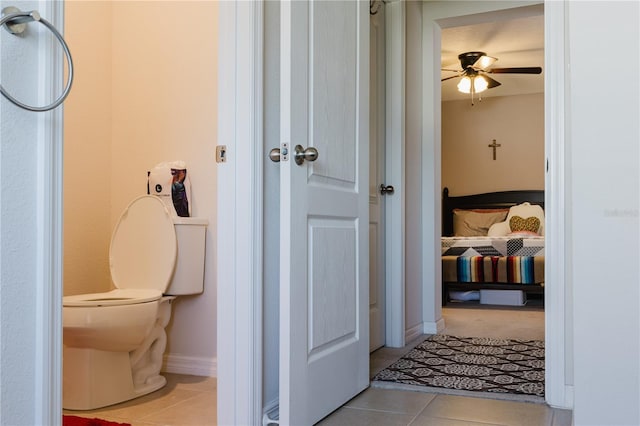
[{"x": 480, "y": 251}]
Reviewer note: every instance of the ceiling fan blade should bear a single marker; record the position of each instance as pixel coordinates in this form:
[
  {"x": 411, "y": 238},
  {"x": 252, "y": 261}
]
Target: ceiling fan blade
[
  {"x": 492, "y": 83},
  {"x": 483, "y": 62},
  {"x": 449, "y": 78},
  {"x": 447, "y": 69},
  {"x": 516, "y": 70}
]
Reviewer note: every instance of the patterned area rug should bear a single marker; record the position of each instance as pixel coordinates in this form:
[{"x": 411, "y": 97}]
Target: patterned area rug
[{"x": 472, "y": 366}]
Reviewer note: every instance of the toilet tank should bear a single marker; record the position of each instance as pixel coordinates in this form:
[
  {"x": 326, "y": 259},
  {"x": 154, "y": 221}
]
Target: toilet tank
[{"x": 188, "y": 277}]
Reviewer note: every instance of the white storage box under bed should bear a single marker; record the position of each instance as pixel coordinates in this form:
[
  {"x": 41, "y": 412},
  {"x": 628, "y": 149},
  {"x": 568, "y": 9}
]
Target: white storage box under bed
[{"x": 503, "y": 297}]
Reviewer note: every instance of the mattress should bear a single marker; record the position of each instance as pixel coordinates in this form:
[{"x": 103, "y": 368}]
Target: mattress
[
  {"x": 493, "y": 269},
  {"x": 493, "y": 246},
  {"x": 512, "y": 260}
]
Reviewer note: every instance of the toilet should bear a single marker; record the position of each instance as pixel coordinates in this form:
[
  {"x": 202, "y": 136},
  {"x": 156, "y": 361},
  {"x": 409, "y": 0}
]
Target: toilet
[{"x": 114, "y": 341}]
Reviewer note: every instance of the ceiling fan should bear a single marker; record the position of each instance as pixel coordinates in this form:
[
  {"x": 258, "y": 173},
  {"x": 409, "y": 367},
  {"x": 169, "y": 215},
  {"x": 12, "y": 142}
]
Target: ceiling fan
[{"x": 475, "y": 67}]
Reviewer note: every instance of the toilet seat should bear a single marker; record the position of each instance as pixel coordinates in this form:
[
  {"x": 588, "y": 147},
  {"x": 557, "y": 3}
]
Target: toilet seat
[
  {"x": 115, "y": 297},
  {"x": 142, "y": 256}
]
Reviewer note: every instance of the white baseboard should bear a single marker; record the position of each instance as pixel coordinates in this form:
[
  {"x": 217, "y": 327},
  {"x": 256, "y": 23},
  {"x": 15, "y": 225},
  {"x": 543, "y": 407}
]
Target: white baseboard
[
  {"x": 412, "y": 333},
  {"x": 433, "y": 327},
  {"x": 568, "y": 397},
  {"x": 195, "y": 366},
  {"x": 563, "y": 400}
]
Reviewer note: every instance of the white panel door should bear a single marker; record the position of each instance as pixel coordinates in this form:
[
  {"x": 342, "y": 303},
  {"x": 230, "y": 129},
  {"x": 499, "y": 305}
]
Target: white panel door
[
  {"x": 324, "y": 283},
  {"x": 377, "y": 271}
]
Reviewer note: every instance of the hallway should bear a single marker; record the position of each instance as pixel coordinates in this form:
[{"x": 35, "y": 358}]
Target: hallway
[{"x": 394, "y": 407}]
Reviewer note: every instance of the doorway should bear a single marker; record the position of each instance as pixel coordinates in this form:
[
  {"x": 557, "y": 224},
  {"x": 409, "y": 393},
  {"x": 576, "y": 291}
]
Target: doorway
[
  {"x": 141, "y": 96},
  {"x": 511, "y": 113},
  {"x": 434, "y": 20},
  {"x": 422, "y": 312}
]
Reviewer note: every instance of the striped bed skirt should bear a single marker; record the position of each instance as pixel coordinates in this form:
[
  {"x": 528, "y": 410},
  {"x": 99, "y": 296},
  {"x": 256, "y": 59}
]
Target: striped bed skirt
[{"x": 493, "y": 269}]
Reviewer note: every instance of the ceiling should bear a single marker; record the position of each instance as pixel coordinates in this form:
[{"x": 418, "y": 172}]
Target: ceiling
[{"x": 515, "y": 42}]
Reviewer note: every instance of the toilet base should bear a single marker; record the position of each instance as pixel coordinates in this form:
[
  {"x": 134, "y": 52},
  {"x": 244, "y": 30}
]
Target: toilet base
[{"x": 94, "y": 379}]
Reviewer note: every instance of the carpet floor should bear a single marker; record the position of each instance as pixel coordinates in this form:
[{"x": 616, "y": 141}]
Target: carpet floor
[{"x": 474, "y": 366}]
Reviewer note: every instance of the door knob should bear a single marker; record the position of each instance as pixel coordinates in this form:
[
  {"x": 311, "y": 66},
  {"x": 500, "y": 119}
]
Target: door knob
[
  {"x": 384, "y": 190},
  {"x": 309, "y": 154},
  {"x": 274, "y": 155}
]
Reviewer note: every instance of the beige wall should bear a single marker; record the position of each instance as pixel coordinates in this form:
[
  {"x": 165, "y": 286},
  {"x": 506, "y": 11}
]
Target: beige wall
[
  {"x": 162, "y": 86},
  {"x": 515, "y": 122},
  {"x": 87, "y": 149},
  {"x": 165, "y": 108}
]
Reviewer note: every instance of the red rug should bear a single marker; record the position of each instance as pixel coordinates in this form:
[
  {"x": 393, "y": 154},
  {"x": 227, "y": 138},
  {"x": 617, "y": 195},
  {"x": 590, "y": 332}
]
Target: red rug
[{"x": 83, "y": 421}]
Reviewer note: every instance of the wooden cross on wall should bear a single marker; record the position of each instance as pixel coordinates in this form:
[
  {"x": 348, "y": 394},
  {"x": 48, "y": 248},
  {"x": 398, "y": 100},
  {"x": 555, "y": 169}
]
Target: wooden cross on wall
[{"x": 494, "y": 145}]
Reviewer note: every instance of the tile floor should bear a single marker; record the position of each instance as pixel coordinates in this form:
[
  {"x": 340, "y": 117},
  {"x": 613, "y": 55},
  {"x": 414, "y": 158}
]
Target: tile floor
[
  {"x": 191, "y": 400},
  {"x": 379, "y": 407},
  {"x": 184, "y": 401}
]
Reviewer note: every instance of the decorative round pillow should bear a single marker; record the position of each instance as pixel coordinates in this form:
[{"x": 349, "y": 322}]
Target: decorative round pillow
[{"x": 531, "y": 224}]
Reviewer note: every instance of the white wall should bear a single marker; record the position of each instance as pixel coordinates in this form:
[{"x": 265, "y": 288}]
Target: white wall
[
  {"x": 603, "y": 176},
  {"x": 31, "y": 224},
  {"x": 515, "y": 122},
  {"x": 146, "y": 93},
  {"x": 18, "y": 237}
]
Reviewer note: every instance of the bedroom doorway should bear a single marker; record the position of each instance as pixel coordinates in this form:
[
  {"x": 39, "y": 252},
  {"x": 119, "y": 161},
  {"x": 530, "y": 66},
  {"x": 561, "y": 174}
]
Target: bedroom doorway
[
  {"x": 498, "y": 147},
  {"x": 558, "y": 324}
]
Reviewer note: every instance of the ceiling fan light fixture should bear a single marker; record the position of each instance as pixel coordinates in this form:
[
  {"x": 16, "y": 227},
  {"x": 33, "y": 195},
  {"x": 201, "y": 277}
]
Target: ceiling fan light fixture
[
  {"x": 480, "y": 84},
  {"x": 464, "y": 85}
]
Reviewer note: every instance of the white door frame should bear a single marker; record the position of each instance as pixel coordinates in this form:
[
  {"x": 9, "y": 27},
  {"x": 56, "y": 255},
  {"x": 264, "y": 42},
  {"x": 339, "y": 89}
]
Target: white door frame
[
  {"x": 395, "y": 19},
  {"x": 240, "y": 212},
  {"x": 47, "y": 400},
  {"x": 47, "y": 287},
  {"x": 558, "y": 394},
  {"x": 49, "y": 292}
]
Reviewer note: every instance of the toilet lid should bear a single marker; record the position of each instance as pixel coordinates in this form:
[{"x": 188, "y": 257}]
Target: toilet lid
[{"x": 143, "y": 249}]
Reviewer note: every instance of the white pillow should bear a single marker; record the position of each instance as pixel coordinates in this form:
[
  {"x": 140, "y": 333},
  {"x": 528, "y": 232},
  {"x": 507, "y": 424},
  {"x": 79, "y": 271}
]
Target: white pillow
[
  {"x": 499, "y": 229},
  {"x": 526, "y": 210}
]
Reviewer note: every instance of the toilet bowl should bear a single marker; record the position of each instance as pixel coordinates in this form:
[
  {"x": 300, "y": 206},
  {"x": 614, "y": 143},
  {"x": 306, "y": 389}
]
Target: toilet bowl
[{"x": 114, "y": 341}]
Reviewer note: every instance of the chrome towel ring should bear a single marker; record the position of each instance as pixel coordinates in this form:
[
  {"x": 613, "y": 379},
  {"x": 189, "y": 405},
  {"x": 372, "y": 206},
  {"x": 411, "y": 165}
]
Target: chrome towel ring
[{"x": 15, "y": 21}]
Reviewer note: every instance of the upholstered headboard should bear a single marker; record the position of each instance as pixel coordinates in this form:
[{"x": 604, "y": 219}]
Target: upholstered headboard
[{"x": 490, "y": 200}]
